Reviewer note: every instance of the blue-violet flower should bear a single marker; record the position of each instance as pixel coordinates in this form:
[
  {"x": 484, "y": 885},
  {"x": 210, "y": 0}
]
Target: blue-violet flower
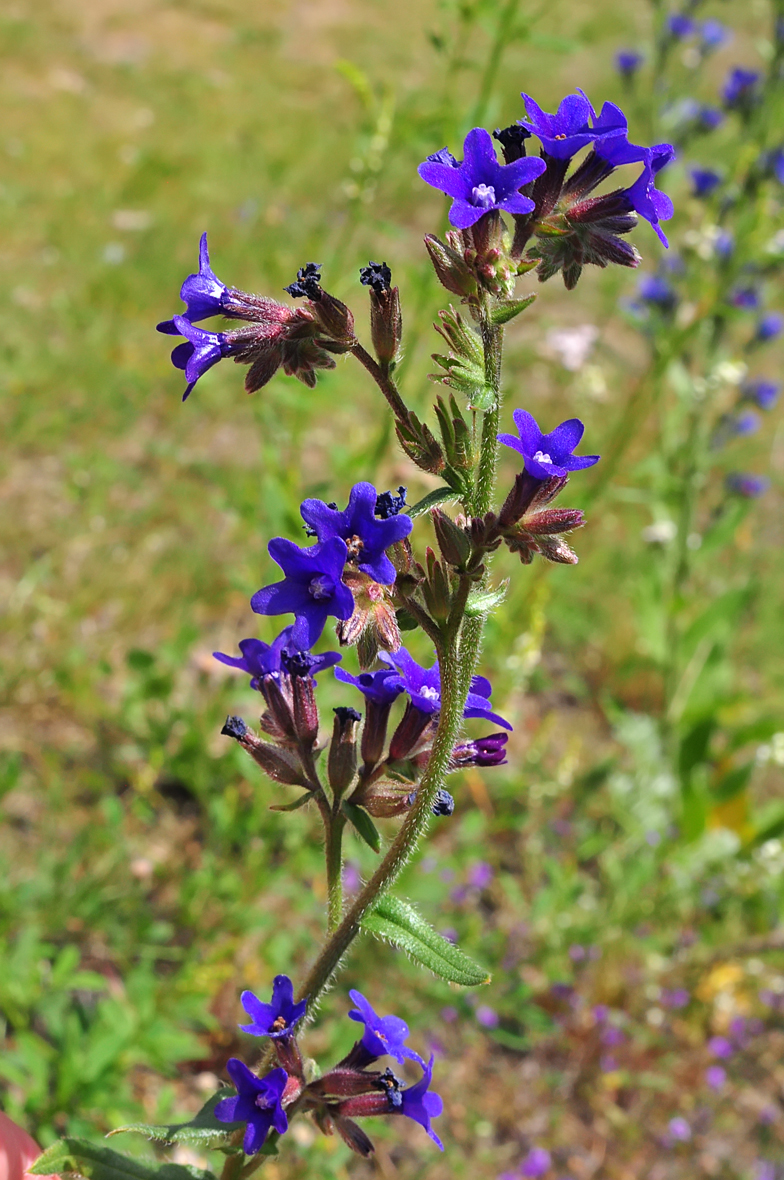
[
  {"x": 382, "y": 688},
  {"x": 423, "y": 686},
  {"x": 769, "y": 326},
  {"x": 419, "y": 1103},
  {"x": 566, "y": 132},
  {"x": 627, "y": 62},
  {"x": 312, "y": 589},
  {"x": 257, "y": 1103},
  {"x": 383, "y": 1034},
  {"x": 548, "y": 454},
  {"x": 480, "y": 183},
  {"x": 366, "y": 535},
  {"x": 704, "y": 181},
  {"x": 276, "y": 1019},
  {"x": 261, "y": 659},
  {"x": 739, "y": 89}
]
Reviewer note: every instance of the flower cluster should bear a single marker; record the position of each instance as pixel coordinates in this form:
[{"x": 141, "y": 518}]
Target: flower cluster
[{"x": 348, "y": 1091}]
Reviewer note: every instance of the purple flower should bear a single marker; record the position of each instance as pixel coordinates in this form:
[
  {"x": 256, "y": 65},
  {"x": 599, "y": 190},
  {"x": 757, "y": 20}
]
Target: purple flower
[
  {"x": 486, "y": 751},
  {"x": 568, "y": 131},
  {"x": 421, "y": 1105},
  {"x": 746, "y": 298},
  {"x": 724, "y": 243},
  {"x": 772, "y": 163},
  {"x": 679, "y": 26},
  {"x": 676, "y": 997},
  {"x": 765, "y": 1170},
  {"x": 487, "y": 1017},
  {"x": 627, "y": 62},
  {"x": 720, "y": 1047},
  {"x": 382, "y": 688},
  {"x": 480, "y": 183},
  {"x": 423, "y": 686},
  {"x": 257, "y": 1103},
  {"x": 769, "y": 326},
  {"x": 764, "y": 393},
  {"x": 577, "y": 953},
  {"x": 655, "y": 289},
  {"x": 600, "y": 1013},
  {"x": 536, "y": 1163},
  {"x": 269, "y": 659},
  {"x": 204, "y": 294},
  {"x": 704, "y": 181},
  {"x": 643, "y": 196},
  {"x": 747, "y": 423},
  {"x": 709, "y": 118},
  {"x": 366, "y": 536},
  {"x": 739, "y": 90},
  {"x": 480, "y": 875},
  {"x": 715, "y": 1077},
  {"x": 383, "y": 1034},
  {"x": 679, "y": 1130},
  {"x": 713, "y": 34},
  {"x": 312, "y": 589},
  {"x": 547, "y": 454},
  {"x": 612, "y": 1036},
  {"x": 201, "y": 351},
  {"x": 276, "y": 1019}
]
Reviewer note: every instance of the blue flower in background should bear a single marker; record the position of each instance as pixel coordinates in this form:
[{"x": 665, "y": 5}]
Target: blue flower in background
[
  {"x": 547, "y": 454},
  {"x": 709, "y": 118},
  {"x": 257, "y": 1103},
  {"x": 480, "y": 183},
  {"x": 746, "y": 298},
  {"x": 204, "y": 294},
  {"x": 366, "y": 535},
  {"x": 750, "y": 486},
  {"x": 312, "y": 589},
  {"x": 713, "y": 34},
  {"x": 627, "y": 62},
  {"x": 746, "y": 423},
  {"x": 571, "y": 128},
  {"x": 764, "y": 393},
  {"x": 383, "y": 1034},
  {"x": 724, "y": 243},
  {"x": 740, "y": 88},
  {"x": 420, "y": 1104},
  {"x": 276, "y": 1019},
  {"x": 769, "y": 327},
  {"x": 679, "y": 26},
  {"x": 704, "y": 181}
]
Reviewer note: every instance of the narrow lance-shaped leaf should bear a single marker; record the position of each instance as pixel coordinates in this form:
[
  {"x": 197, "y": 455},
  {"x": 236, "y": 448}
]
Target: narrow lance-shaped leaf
[
  {"x": 363, "y": 824},
  {"x": 101, "y": 1163},
  {"x": 399, "y": 923},
  {"x": 486, "y": 601},
  {"x": 202, "y": 1129},
  {"x": 438, "y": 496}
]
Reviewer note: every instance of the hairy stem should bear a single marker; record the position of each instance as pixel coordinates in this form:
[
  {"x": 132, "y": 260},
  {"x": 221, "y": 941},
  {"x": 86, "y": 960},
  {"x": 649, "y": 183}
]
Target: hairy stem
[
  {"x": 383, "y": 381},
  {"x": 334, "y": 859}
]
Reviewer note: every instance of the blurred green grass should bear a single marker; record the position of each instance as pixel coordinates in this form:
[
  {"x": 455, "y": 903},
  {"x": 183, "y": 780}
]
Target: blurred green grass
[{"x": 144, "y": 881}]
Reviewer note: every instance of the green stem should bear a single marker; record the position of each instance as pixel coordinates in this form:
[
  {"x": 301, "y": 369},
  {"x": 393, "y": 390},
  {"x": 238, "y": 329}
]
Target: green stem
[
  {"x": 500, "y": 41},
  {"x": 334, "y": 858},
  {"x": 492, "y": 341}
]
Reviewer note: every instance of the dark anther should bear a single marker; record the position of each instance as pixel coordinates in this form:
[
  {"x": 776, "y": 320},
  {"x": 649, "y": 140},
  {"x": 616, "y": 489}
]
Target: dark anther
[
  {"x": 443, "y": 804},
  {"x": 391, "y": 1085},
  {"x": 309, "y": 532},
  {"x": 388, "y": 505},
  {"x": 308, "y": 282},
  {"x": 512, "y": 140},
  {"x": 376, "y": 275},
  {"x": 235, "y": 727},
  {"x": 345, "y": 714},
  {"x": 297, "y": 663},
  {"x": 333, "y": 506}
]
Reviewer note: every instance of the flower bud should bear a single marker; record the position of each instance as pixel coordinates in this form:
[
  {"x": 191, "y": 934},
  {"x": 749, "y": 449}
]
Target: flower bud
[
  {"x": 374, "y": 732},
  {"x": 278, "y": 721},
  {"x": 454, "y": 542},
  {"x": 334, "y": 317},
  {"x": 450, "y": 267},
  {"x": 385, "y": 799},
  {"x": 342, "y": 759},
  {"x": 306, "y": 717},
  {"x": 282, "y": 765},
  {"x": 486, "y": 751},
  {"x": 413, "y": 725},
  {"x": 436, "y": 589}
]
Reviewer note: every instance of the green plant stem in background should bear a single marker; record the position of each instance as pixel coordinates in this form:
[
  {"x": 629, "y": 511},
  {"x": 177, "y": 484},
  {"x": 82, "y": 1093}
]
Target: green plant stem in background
[
  {"x": 501, "y": 40},
  {"x": 334, "y": 862}
]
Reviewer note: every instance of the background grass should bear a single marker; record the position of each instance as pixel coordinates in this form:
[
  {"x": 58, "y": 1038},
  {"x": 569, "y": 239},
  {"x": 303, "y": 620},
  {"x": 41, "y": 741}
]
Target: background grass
[{"x": 144, "y": 881}]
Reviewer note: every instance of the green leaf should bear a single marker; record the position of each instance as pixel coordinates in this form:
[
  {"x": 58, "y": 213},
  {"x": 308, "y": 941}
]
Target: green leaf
[
  {"x": 399, "y": 923},
  {"x": 202, "y": 1130},
  {"x": 486, "y": 601},
  {"x": 101, "y": 1163},
  {"x": 363, "y": 824},
  {"x": 502, "y": 313},
  {"x": 438, "y": 496}
]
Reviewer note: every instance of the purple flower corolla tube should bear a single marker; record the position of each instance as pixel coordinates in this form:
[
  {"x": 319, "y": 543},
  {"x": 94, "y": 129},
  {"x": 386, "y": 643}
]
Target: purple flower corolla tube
[
  {"x": 486, "y": 751},
  {"x": 203, "y": 293},
  {"x": 548, "y": 454},
  {"x": 643, "y": 196},
  {"x": 421, "y": 1105},
  {"x": 536, "y": 1163},
  {"x": 570, "y": 129},
  {"x": 769, "y": 327},
  {"x": 627, "y": 62},
  {"x": 261, "y": 659},
  {"x": 366, "y": 535},
  {"x": 312, "y": 589},
  {"x": 480, "y": 184},
  {"x": 383, "y": 1034},
  {"x": 423, "y": 686},
  {"x": 276, "y": 1019},
  {"x": 200, "y": 352},
  {"x": 257, "y": 1103},
  {"x": 704, "y": 181}
]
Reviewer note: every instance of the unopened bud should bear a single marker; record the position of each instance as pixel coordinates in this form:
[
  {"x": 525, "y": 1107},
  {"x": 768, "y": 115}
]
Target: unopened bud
[
  {"x": 306, "y": 717},
  {"x": 450, "y": 267},
  {"x": 335, "y": 318},
  {"x": 342, "y": 760},
  {"x": 454, "y": 542},
  {"x": 280, "y": 764},
  {"x": 436, "y": 590},
  {"x": 386, "y": 324},
  {"x": 551, "y": 521},
  {"x": 279, "y": 719}
]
